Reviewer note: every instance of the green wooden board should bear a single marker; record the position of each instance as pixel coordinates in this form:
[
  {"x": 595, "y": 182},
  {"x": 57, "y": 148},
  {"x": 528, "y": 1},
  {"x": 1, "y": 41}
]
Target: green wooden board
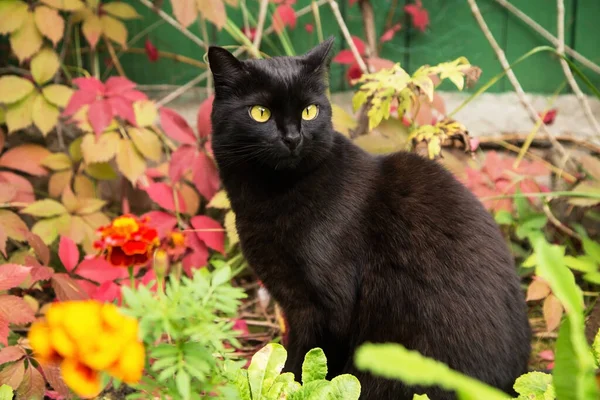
[
  {"x": 453, "y": 32},
  {"x": 541, "y": 73},
  {"x": 587, "y": 37}
]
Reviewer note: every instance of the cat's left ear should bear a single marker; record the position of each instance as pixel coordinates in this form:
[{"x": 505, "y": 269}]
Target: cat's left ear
[
  {"x": 319, "y": 57},
  {"x": 224, "y": 66}
]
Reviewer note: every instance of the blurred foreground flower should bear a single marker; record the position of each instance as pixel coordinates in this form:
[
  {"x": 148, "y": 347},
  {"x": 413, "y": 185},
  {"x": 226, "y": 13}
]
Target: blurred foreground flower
[
  {"x": 127, "y": 241},
  {"x": 86, "y": 338}
]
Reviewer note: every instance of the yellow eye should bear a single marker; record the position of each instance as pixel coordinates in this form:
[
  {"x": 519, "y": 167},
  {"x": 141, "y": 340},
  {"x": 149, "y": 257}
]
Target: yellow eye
[
  {"x": 260, "y": 113},
  {"x": 310, "y": 112}
]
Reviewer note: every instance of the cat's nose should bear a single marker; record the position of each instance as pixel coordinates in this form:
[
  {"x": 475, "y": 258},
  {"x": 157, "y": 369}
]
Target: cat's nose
[{"x": 293, "y": 140}]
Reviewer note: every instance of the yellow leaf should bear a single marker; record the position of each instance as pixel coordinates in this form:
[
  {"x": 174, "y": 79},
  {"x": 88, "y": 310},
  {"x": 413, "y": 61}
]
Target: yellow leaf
[
  {"x": 185, "y": 11},
  {"x": 102, "y": 171},
  {"x": 44, "y": 208},
  {"x": 45, "y": 115},
  {"x": 130, "y": 163},
  {"x": 424, "y": 83},
  {"x": 114, "y": 30},
  {"x": 220, "y": 200},
  {"x": 93, "y": 4},
  {"x": 14, "y": 88},
  {"x": 75, "y": 149},
  {"x": 342, "y": 121},
  {"x": 101, "y": 150},
  {"x": 58, "y": 181},
  {"x": 44, "y": 65},
  {"x": 13, "y": 225},
  {"x": 18, "y": 115},
  {"x": 66, "y": 5},
  {"x": 191, "y": 199},
  {"x": 213, "y": 11},
  {"x": 378, "y": 144},
  {"x": 146, "y": 142},
  {"x": 120, "y": 10},
  {"x": 84, "y": 187},
  {"x": 50, "y": 23},
  {"x": 46, "y": 229},
  {"x": 96, "y": 220},
  {"x": 74, "y": 229},
  {"x": 27, "y": 40},
  {"x": 12, "y": 15},
  {"x": 69, "y": 200},
  {"x": 57, "y": 162},
  {"x": 232, "y": 233},
  {"x": 89, "y": 205},
  {"x": 145, "y": 112},
  {"x": 92, "y": 29},
  {"x": 590, "y": 187},
  {"x": 434, "y": 147},
  {"x": 59, "y": 95}
]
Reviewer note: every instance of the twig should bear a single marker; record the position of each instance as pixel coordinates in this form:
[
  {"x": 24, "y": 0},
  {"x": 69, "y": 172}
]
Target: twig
[
  {"x": 65, "y": 45},
  {"x": 173, "y": 22},
  {"x": 340, "y": 20},
  {"x": 204, "y": 30},
  {"x": 540, "y": 142},
  {"x": 560, "y": 4},
  {"x": 113, "y": 56},
  {"x": 368, "y": 17},
  {"x": 260, "y": 25},
  {"x": 299, "y": 13},
  {"x": 513, "y": 79},
  {"x": 547, "y": 35},
  {"x": 559, "y": 225}
]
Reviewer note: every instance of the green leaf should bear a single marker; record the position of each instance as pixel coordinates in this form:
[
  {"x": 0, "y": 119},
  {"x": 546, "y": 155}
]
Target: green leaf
[
  {"x": 102, "y": 171},
  {"x": 596, "y": 348},
  {"x": 314, "y": 366},
  {"x": 533, "y": 385},
  {"x": 420, "y": 397},
  {"x": 44, "y": 208},
  {"x": 44, "y": 65},
  {"x": 581, "y": 263},
  {"x": 592, "y": 248},
  {"x": 57, "y": 162},
  {"x": 345, "y": 387},
  {"x": 183, "y": 382},
  {"x": 315, "y": 390},
  {"x": 6, "y": 392},
  {"x": 531, "y": 224},
  {"x": 264, "y": 368},
  {"x": 242, "y": 385},
  {"x": 14, "y": 88},
  {"x": 394, "y": 361},
  {"x": 503, "y": 217}
]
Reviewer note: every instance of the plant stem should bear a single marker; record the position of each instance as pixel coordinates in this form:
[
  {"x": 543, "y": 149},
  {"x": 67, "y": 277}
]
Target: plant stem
[
  {"x": 317, "y": 16},
  {"x": 340, "y": 20},
  {"x": 113, "y": 56},
  {"x": 260, "y": 26},
  {"x": 174, "y": 23}
]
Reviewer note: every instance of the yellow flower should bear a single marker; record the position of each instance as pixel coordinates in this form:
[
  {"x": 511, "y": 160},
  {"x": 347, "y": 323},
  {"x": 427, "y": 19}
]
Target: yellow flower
[
  {"x": 62, "y": 343},
  {"x": 39, "y": 339},
  {"x": 131, "y": 363},
  {"x": 81, "y": 379}
]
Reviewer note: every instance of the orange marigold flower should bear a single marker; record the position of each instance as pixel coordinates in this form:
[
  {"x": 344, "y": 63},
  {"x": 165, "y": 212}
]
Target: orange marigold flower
[
  {"x": 82, "y": 379},
  {"x": 127, "y": 241}
]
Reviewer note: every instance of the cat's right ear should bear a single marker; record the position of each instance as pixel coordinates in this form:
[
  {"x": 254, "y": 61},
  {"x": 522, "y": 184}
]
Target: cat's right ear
[{"x": 224, "y": 66}]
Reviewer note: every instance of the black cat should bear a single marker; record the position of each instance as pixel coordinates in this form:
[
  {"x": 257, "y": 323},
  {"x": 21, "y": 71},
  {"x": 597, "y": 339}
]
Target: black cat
[{"x": 355, "y": 247}]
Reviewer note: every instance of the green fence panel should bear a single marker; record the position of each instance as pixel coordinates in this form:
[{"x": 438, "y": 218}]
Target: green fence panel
[{"x": 587, "y": 36}]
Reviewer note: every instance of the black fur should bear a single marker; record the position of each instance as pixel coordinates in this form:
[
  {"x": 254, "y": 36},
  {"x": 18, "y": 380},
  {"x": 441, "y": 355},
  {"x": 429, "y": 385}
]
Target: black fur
[{"x": 360, "y": 248}]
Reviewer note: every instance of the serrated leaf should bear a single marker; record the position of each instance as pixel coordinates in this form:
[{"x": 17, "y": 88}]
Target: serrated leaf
[
  {"x": 14, "y": 88},
  {"x": 537, "y": 290},
  {"x": 101, "y": 150},
  {"x": 15, "y": 310},
  {"x": 59, "y": 95},
  {"x": 44, "y": 65},
  {"x": 89, "y": 206},
  {"x": 264, "y": 368},
  {"x": 19, "y": 115},
  {"x": 12, "y": 375},
  {"x": 47, "y": 229},
  {"x": 67, "y": 5},
  {"x": 130, "y": 163},
  {"x": 12, "y": 15},
  {"x": 146, "y": 142},
  {"x": 114, "y": 30},
  {"x": 33, "y": 385},
  {"x": 84, "y": 186},
  {"x": 27, "y": 40},
  {"x": 145, "y": 112},
  {"x": 214, "y": 11},
  {"x": 12, "y": 275},
  {"x": 101, "y": 171},
  {"x": 120, "y": 10},
  {"x": 13, "y": 225},
  {"x": 49, "y": 23},
  {"x": 45, "y": 115},
  {"x": 230, "y": 227},
  {"x": 185, "y": 11},
  {"x": 533, "y": 385},
  {"x": 26, "y": 158},
  {"x": 314, "y": 366},
  {"x": 92, "y": 29},
  {"x": 346, "y": 387},
  {"x": 57, "y": 162},
  {"x": 58, "y": 181},
  {"x": 67, "y": 289},
  {"x": 44, "y": 208}
]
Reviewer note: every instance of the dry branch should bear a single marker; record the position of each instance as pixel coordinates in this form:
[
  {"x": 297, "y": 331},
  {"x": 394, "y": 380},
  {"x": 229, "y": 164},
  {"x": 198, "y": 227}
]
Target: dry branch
[
  {"x": 260, "y": 26},
  {"x": 340, "y": 20},
  {"x": 174, "y": 23}
]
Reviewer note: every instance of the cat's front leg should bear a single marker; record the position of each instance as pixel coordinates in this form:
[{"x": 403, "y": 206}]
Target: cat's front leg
[{"x": 296, "y": 349}]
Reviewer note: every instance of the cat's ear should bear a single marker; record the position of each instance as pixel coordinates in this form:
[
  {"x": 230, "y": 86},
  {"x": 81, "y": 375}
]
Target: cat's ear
[
  {"x": 223, "y": 64},
  {"x": 319, "y": 57}
]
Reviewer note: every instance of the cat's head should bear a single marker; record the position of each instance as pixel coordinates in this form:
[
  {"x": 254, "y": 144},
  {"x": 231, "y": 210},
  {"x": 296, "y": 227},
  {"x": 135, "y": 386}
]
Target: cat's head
[{"x": 271, "y": 112}]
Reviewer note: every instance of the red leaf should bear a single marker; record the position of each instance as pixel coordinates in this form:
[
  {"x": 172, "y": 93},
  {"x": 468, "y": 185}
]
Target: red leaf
[
  {"x": 11, "y": 353},
  {"x": 553, "y": 311},
  {"x": 354, "y": 72},
  {"x": 175, "y": 126},
  {"x": 100, "y": 114},
  {"x": 162, "y": 194},
  {"x": 16, "y": 310},
  {"x": 204, "y": 124},
  {"x": 68, "y": 253},
  {"x": 360, "y": 45},
  {"x": 549, "y": 116},
  {"x": 205, "y": 176},
  {"x": 40, "y": 248},
  {"x": 33, "y": 385},
  {"x": 161, "y": 221},
  {"x": 107, "y": 292},
  {"x": 67, "y": 289},
  {"x": 99, "y": 270},
  {"x": 537, "y": 290},
  {"x": 210, "y": 232},
  {"x": 389, "y": 34},
  {"x": 52, "y": 374},
  {"x": 134, "y": 95},
  {"x": 283, "y": 16},
  {"x": 26, "y": 158},
  {"x": 344, "y": 57},
  {"x": 115, "y": 85},
  {"x": 420, "y": 16},
  {"x": 151, "y": 51},
  {"x": 4, "y": 330},
  {"x": 309, "y": 28},
  {"x": 3, "y": 239},
  {"x": 182, "y": 160},
  {"x": 22, "y": 185},
  {"x": 91, "y": 84},
  {"x": 41, "y": 273},
  {"x": 12, "y": 275},
  {"x": 198, "y": 258},
  {"x": 79, "y": 99},
  {"x": 123, "y": 108}
]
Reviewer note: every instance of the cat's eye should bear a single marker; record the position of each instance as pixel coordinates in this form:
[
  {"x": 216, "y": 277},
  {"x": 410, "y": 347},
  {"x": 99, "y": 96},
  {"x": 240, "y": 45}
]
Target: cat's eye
[
  {"x": 310, "y": 112},
  {"x": 260, "y": 113}
]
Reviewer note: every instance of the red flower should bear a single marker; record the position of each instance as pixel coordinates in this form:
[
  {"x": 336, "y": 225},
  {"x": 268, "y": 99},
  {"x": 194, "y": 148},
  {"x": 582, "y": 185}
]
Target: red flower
[
  {"x": 548, "y": 117},
  {"x": 151, "y": 51},
  {"x": 127, "y": 241},
  {"x": 309, "y": 28}
]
